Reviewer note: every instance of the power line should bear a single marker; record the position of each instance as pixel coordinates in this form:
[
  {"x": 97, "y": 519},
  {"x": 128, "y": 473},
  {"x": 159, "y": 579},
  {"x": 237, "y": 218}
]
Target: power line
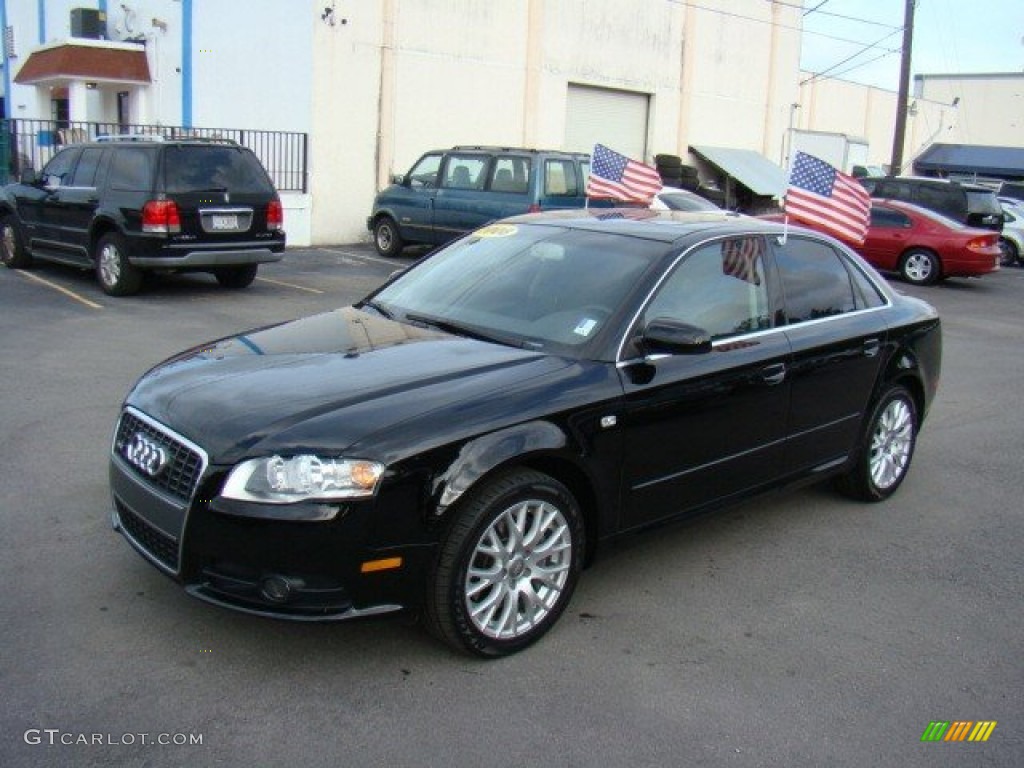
[
  {"x": 833, "y": 15},
  {"x": 815, "y": 8},
  {"x": 862, "y": 51}
]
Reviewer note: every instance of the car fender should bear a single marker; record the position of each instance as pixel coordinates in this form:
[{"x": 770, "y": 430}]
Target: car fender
[{"x": 481, "y": 455}]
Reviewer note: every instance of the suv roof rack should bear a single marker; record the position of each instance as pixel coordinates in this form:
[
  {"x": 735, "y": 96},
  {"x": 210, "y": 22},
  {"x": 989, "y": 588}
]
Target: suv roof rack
[
  {"x": 161, "y": 139},
  {"x": 533, "y": 150}
]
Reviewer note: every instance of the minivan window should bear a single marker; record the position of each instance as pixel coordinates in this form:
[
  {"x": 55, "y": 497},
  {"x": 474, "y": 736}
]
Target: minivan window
[
  {"x": 511, "y": 174},
  {"x": 189, "y": 168},
  {"x": 465, "y": 172},
  {"x": 560, "y": 179},
  {"x": 131, "y": 169},
  {"x": 424, "y": 174}
]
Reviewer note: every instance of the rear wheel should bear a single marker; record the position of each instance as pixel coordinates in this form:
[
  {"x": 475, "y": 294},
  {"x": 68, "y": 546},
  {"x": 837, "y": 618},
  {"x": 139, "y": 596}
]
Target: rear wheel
[
  {"x": 920, "y": 267},
  {"x": 12, "y": 251},
  {"x": 508, "y": 565},
  {"x": 236, "y": 278},
  {"x": 886, "y": 449},
  {"x": 386, "y": 237},
  {"x": 115, "y": 275}
]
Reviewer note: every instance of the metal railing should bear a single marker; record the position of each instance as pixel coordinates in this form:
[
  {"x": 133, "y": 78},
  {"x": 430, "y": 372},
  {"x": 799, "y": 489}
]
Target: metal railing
[{"x": 26, "y": 144}]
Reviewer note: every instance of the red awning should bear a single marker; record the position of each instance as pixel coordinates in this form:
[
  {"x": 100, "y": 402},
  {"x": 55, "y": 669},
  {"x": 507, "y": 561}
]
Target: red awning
[{"x": 84, "y": 62}]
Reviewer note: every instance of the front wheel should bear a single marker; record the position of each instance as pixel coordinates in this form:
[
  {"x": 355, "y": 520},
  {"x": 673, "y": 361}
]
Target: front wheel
[
  {"x": 508, "y": 565},
  {"x": 1009, "y": 252},
  {"x": 886, "y": 449},
  {"x": 920, "y": 267},
  {"x": 236, "y": 278},
  {"x": 386, "y": 237},
  {"x": 116, "y": 276},
  {"x": 12, "y": 250}
]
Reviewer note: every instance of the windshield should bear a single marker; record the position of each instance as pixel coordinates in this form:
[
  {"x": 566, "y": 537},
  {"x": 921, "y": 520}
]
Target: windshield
[
  {"x": 539, "y": 287},
  {"x": 682, "y": 202}
]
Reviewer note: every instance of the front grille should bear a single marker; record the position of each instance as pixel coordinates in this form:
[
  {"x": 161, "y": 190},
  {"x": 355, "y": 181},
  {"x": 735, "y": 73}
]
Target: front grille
[
  {"x": 156, "y": 543},
  {"x": 184, "y": 465}
]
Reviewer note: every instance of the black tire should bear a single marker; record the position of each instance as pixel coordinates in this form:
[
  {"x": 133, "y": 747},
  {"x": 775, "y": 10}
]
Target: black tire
[
  {"x": 886, "y": 448},
  {"x": 1009, "y": 251},
  {"x": 236, "y": 278},
  {"x": 920, "y": 266},
  {"x": 12, "y": 249},
  {"x": 688, "y": 172},
  {"x": 115, "y": 275},
  {"x": 484, "y": 522},
  {"x": 386, "y": 237}
]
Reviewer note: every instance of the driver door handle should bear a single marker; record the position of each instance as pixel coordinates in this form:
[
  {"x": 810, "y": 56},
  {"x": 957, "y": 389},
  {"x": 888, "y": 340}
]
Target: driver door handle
[{"x": 774, "y": 374}]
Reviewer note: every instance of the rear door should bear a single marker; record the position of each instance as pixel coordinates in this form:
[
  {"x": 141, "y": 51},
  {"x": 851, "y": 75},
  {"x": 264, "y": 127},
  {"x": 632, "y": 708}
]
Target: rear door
[
  {"x": 837, "y": 337},
  {"x": 75, "y": 204},
  {"x": 221, "y": 190}
]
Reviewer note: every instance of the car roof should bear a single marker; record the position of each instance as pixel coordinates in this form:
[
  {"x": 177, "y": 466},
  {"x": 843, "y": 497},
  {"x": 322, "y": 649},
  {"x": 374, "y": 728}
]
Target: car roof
[
  {"x": 932, "y": 180},
  {"x": 663, "y": 226}
]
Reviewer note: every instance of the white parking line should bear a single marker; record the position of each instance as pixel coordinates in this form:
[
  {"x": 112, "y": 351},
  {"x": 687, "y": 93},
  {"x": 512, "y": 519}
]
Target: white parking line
[
  {"x": 288, "y": 285},
  {"x": 352, "y": 254},
  {"x": 61, "y": 289}
]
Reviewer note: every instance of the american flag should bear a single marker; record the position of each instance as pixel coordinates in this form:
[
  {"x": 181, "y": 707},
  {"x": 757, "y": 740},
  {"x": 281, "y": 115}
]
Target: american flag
[
  {"x": 820, "y": 195},
  {"x": 741, "y": 258},
  {"x": 616, "y": 176}
]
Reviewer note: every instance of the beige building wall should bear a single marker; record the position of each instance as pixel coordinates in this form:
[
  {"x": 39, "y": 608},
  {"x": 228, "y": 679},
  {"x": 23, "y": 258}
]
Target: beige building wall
[
  {"x": 989, "y": 108},
  {"x": 401, "y": 77}
]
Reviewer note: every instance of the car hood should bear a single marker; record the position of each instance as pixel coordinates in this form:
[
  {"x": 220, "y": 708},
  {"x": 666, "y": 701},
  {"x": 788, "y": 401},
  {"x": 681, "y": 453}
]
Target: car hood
[{"x": 326, "y": 383}]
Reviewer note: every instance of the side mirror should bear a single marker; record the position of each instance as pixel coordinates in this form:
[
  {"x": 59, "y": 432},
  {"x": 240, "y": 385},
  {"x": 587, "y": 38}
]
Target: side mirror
[
  {"x": 399, "y": 179},
  {"x": 663, "y": 335}
]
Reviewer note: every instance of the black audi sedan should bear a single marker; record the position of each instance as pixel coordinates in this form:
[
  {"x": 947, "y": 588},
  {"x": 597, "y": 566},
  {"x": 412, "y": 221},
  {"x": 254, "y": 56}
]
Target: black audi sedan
[{"x": 462, "y": 441}]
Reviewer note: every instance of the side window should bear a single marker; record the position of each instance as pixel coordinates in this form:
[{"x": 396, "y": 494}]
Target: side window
[
  {"x": 815, "y": 282},
  {"x": 465, "y": 172},
  {"x": 867, "y": 293},
  {"x": 131, "y": 169},
  {"x": 511, "y": 174},
  {"x": 885, "y": 217},
  {"x": 424, "y": 174},
  {"x": 57, "y": 172},
  {"x": 719, "y": 287},
  {"x": 560, "y": 179},
  {"x": 88, "y": 166},
  {"x": 951, "y": 202}
]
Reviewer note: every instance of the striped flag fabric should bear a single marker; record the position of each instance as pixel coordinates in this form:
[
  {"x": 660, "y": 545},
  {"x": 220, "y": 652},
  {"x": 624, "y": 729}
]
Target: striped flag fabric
[
  {"x": 617, "y": 177},
  {"x": 741, "y": 258},
  {"x": 820, "y": 195}
]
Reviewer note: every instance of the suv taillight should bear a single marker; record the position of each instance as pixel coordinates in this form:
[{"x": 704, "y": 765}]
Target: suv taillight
[
  {"x": 275, "y": 216},
  {"x": 161, "y": 216}
]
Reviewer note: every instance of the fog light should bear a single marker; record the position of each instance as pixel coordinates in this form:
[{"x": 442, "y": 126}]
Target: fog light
[{"x": 277, "y": 589}]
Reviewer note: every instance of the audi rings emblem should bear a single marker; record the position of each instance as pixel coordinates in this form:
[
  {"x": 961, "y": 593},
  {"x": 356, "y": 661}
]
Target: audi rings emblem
[{"x": 145, "y": 454}]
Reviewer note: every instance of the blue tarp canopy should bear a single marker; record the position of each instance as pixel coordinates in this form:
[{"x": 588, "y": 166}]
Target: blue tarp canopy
[{"x": 1000, "y": 162}]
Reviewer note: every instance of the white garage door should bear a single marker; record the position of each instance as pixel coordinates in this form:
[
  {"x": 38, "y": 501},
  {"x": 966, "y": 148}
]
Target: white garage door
[{"x": 617, "y": 119}]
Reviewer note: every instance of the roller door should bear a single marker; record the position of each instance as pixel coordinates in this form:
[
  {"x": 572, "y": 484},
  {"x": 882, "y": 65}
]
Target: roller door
[{"x": 617, "y": 119}]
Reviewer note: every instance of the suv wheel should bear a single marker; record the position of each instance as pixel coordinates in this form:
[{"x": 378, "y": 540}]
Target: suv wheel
[
  {"x": 386, "y": 237},
  {"x": 920, "y": 267},
  {"x": 116, "y": 276},
  {"x": 12, "y": 251},
  {"x": 236, "y": 277}
]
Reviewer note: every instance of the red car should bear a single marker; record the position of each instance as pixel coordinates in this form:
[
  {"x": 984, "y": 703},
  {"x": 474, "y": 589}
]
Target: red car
[{"x": 924, "y": 246}]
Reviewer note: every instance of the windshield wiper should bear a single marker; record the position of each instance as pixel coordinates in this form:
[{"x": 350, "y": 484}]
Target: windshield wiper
[
  {"x": 455, "y": 328},
  {"x": 378, "y": 308}
]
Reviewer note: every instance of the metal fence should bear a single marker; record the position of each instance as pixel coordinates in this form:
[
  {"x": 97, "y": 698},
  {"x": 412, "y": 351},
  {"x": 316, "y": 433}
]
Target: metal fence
[{"x": 28, "y": 144}]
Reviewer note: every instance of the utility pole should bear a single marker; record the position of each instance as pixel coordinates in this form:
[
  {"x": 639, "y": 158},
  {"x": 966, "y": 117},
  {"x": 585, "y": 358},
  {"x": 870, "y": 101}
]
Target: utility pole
[{"x": 900, "y": 130}]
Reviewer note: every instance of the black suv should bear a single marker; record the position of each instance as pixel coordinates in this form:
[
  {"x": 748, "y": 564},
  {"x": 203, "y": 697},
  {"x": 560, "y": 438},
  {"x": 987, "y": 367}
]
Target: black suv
[
  {"x": 127, "y": 205},
  {"x": 970, "y": 204}
]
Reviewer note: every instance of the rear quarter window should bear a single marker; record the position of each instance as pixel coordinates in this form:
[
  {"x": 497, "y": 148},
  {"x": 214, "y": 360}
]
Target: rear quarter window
[
  {"x": 131, "y": 169},
  {"x": 815, "y": 282}
]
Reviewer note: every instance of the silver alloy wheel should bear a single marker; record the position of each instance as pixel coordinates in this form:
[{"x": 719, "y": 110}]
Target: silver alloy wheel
[
  {"x": 8, "y": 243},
  {"x": 110, "y": 264},
  {"x": 891, "y": 444},
  {"x": 919, "y": 267},
  {"x": 385, "y": 237},
  {"x": 518, "y": 569}
]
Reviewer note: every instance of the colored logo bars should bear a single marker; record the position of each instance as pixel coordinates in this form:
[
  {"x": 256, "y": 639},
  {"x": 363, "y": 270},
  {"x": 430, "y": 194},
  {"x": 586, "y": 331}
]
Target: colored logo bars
[{"x": 958, "y": 730}]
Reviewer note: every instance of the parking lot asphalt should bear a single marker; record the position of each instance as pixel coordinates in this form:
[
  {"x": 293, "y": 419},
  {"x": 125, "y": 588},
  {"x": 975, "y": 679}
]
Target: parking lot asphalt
[{"x": 801, "y": 629}]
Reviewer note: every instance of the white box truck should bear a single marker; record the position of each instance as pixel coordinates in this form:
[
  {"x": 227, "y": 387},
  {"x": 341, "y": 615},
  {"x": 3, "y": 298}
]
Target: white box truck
[{"x": 839, "y": 150}]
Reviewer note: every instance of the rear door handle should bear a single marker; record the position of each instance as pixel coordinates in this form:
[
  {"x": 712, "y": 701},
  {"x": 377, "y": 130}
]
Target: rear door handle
[
  {"x": 774, "y": 374},
  {"x": 871, "y": 347}
]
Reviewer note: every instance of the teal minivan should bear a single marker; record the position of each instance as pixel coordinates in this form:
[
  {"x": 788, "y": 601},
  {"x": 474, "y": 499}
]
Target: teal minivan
[{"x": 449, "y": 192}]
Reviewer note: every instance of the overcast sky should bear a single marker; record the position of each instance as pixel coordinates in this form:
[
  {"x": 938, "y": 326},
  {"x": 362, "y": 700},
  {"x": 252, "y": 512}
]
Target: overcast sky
[{"x": 950, "y": 36}]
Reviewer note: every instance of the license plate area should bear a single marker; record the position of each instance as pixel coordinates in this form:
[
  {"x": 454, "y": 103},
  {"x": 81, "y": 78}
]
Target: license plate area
[{"x": 225, "y": 220}]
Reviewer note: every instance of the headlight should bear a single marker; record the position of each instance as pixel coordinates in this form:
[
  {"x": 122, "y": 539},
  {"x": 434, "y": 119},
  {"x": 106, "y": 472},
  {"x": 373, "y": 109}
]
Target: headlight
[{"x": 278, "y": 480}]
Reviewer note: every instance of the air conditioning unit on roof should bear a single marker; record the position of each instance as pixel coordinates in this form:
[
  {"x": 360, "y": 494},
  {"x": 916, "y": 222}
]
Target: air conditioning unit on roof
[{"x": 89, "y": 23}]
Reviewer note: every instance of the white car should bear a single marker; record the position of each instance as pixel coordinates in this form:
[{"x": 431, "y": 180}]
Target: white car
[
  {"x": 1012, "y": 239},
  {"x": 675, "y": 199}
]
